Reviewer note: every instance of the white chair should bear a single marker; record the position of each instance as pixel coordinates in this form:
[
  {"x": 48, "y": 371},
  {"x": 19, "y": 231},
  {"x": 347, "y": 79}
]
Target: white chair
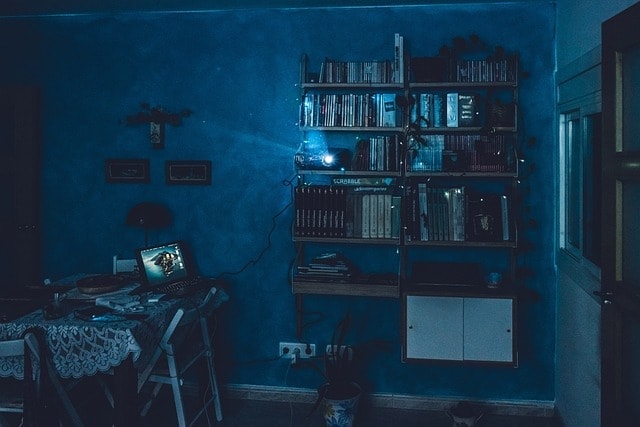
[
  {"x": 187, "y": 340},
  {"x": 34, "y": 365},
  {"x": 11, "y": 401}
]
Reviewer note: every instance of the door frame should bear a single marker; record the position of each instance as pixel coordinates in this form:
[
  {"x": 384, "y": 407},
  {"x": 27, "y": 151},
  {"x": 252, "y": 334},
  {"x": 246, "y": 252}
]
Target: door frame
[{"x": 620, "y": 299}]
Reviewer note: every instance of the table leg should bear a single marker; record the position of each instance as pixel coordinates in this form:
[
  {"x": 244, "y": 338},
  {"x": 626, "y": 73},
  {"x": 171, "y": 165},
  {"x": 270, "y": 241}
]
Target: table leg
[{"x": 125, "y": 394}]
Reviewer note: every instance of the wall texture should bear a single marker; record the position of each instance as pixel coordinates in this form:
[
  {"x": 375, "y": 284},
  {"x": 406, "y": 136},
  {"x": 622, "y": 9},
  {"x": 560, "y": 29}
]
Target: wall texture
[{"x": 237, "y": 71}]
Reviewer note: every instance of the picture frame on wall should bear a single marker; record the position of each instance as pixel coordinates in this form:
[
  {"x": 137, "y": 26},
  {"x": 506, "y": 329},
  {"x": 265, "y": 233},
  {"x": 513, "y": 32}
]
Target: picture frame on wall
[
  {"x": 134, "y": 171},
  {"x": 188, "y": 172}
]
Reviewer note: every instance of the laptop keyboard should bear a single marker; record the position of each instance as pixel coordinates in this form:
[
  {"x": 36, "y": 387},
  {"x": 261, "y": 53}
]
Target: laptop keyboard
[{"x": 184, "y": 287}]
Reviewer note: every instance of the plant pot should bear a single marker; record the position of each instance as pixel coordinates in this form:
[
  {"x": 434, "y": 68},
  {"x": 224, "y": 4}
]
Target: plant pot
[{"x": 340, "y": 406}]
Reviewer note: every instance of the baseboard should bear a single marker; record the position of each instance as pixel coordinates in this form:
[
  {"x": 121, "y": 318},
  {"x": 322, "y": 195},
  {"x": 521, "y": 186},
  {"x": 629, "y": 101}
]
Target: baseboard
[{"x": 531, "y": 408}]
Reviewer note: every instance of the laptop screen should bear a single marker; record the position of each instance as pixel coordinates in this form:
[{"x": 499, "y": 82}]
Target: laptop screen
[{"x": 163, "y": 264}]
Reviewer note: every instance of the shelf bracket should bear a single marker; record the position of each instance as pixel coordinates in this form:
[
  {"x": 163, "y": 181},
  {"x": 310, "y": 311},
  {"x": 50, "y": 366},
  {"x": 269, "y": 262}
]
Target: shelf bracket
[{"x": 299, "y": 316}]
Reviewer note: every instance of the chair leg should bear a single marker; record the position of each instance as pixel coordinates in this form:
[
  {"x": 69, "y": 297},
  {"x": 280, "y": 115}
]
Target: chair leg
[
  {"x": 152, "y": 398},
  {"x": 213, "y": 382},
  {"x": 177, "y": 399}
]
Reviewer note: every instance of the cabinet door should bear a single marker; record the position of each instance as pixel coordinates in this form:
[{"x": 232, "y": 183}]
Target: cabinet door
[
  {"x": 434, "y": 327},
  {"x": 488, "y": 329}
]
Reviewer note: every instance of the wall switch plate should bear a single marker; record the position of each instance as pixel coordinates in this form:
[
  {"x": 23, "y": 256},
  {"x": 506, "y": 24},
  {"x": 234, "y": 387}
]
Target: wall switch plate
[
  {"x": 329, "y": 351},
  {"x": 302, "y": 350}
]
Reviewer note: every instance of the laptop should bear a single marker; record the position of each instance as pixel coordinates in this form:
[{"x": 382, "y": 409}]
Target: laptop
[{"x": 168, "y": 269}]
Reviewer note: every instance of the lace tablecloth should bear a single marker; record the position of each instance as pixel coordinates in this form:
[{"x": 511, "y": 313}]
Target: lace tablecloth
[{"x": 81, "y": 348}]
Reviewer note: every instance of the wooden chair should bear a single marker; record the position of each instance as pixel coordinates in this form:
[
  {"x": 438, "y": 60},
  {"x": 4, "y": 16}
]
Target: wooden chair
[{"x": 185, "y": 343}]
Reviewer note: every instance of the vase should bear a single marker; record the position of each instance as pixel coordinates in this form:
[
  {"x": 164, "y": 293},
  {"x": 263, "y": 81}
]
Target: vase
[{"x": 340, "y": 412}]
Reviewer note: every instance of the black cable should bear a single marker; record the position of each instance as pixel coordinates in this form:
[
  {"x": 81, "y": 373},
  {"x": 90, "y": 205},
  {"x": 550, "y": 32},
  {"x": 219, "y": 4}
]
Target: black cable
[{"x": 254, "y": 261}]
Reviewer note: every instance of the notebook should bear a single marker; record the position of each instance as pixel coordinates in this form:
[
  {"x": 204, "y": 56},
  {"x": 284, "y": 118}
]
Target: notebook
[{"x": 168, "y": 269}]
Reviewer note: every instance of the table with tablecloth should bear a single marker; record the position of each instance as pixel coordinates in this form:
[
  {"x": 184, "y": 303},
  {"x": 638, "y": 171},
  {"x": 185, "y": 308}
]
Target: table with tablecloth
[{"x": 84, "y": 348}]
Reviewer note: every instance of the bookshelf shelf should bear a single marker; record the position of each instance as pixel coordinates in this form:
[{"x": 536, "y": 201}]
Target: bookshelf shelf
[
  {"x": 446, "y": 185},
  {"x": 352, "y": 173},
  {"x": 389, "y": 290},
  {"x": 463, "y": 85},
  {"x": 344, "y": 240},
  {"x": 376, "y": 129},
  {"x": 353, "y": 86},
  {"x": 469, "y": 175},
  {"x": 463, "y": 244},
  {"x": 466, "y": 130}
]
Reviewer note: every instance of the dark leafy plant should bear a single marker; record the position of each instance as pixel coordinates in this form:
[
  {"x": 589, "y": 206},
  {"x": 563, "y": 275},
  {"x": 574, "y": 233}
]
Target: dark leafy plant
[
  {"x": 339, "y": 365},
  {"x": 339, "y": 368}
]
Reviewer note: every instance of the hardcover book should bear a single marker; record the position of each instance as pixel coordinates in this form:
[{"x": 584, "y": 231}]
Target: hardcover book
[
  {"x": 425, "y": 110},
  {"x": 424, "y": 218},
  {"x": 452, "y": 110},
  {"x": 466, "y": 110},
  {"x": 438, "y": 110},
  {"x": 388, "y": 110},
  {"x": 484, "y": 218},
  {"x": 395, "y": 216},
  {"x": 373, "y": 216},
  {"x": 366, "y": 205}
]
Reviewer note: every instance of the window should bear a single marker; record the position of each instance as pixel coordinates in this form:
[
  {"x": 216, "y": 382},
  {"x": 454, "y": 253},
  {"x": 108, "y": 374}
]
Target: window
[{"x": 580, "y": 139}]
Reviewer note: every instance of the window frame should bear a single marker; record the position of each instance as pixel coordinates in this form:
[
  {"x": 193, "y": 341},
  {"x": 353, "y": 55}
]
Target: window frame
[{"x": 576, "y": 110}]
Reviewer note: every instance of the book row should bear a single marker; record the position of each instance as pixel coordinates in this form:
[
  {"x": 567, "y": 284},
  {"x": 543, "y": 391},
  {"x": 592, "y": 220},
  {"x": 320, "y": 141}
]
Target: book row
[
  {"x": 378, "y": 153},
  {"x": 455, "y": 214},
  {"x": 453, "y": 109},
  {"x": 350, "y": 110},
  {"x": 356, "y": 71},
  {"x": 487, "y": 70},
  {"x": 462, "y": 153},
  {"x": 346, "y": 212},
  {"x": 503, "y": 70},
  {"x": 437, "y": 110}
]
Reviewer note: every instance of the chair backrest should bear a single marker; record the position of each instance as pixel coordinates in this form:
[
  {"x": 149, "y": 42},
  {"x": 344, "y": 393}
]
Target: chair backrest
[
  {"x": 181, "y": 327},
  {"x": 16, "y": 349},
  {"x": 12, "y": 354},
  {"x": 12, "y": 348}
]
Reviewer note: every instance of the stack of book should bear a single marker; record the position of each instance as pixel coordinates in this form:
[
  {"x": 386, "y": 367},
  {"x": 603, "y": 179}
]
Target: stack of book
[{"x": 330, "y": 266}]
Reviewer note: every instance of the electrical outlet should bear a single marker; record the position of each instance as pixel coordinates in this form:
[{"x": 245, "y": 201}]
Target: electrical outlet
[
  {"x": 330, "y": 350},
  {"x": 301, "y": 350}
]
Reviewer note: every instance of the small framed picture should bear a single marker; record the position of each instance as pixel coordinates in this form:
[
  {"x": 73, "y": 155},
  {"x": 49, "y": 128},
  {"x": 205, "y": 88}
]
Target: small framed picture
[
  {"x": 127, "y": 170},
  {"x": 188, "y": 172}
]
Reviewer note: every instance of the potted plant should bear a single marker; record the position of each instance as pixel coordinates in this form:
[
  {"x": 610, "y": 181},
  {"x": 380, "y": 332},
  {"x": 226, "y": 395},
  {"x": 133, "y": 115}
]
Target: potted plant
[{"x": 340, "y": 393}]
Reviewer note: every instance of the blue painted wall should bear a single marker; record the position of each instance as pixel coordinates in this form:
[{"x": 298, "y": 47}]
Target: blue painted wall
[{"x": 237, "y": 71}]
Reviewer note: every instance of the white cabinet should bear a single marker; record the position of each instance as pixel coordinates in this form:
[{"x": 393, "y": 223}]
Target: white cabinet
[{"x": 459, "y": 328}]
